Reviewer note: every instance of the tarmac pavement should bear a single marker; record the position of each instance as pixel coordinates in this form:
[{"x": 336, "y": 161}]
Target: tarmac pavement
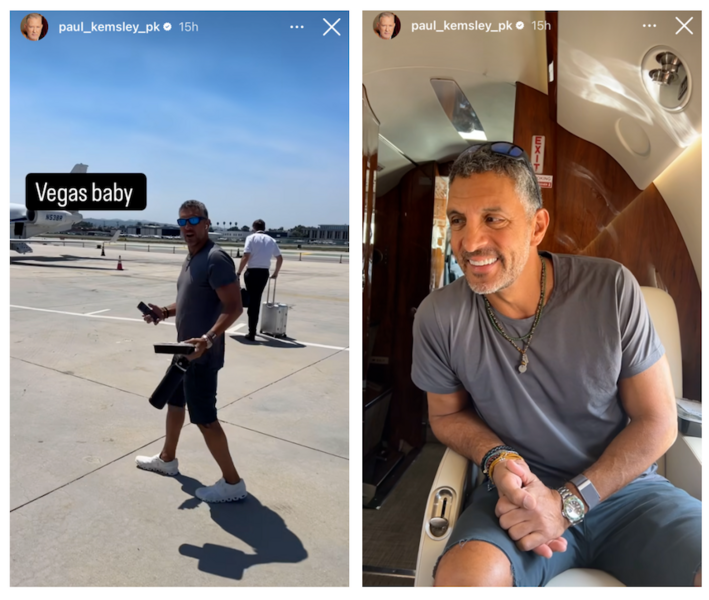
[{"x": 82, "y": 514}]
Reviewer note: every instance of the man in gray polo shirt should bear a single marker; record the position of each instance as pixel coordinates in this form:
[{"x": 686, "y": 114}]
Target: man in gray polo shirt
[
  {"x": 546, "y": 371},
  {"x": 208, "y": 303}
]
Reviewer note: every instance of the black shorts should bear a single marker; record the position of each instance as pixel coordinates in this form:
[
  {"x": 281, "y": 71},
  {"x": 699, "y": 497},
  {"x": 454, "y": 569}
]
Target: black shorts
[{"x": 199, "y": 392}]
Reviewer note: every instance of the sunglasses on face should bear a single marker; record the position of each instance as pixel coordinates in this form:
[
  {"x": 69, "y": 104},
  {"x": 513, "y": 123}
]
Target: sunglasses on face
[
  {"x": 191, "y": 221},
  {"x": 503, "y": 148}
]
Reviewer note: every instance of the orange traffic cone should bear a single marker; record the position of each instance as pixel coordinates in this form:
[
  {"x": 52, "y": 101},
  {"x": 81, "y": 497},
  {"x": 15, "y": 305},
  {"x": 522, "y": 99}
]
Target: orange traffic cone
[{"x": 120, "y": 265}]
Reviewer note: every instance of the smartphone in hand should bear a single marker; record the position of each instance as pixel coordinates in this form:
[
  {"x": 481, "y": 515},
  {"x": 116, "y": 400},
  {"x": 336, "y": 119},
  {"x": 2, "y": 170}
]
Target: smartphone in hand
[{"x": 146, "y": 310}]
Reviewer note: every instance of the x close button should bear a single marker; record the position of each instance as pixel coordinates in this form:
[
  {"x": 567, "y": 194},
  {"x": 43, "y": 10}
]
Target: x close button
[
  {"x": 332, "y": 27},
  {"x": 684, "y": 26}
]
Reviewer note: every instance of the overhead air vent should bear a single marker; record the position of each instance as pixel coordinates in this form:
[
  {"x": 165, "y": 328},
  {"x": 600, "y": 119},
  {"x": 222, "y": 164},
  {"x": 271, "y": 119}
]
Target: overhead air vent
[
  {"x": 667, "y": 79},
  {"x": 458, "y": 109},
  {"x": 669, "y": 71}
]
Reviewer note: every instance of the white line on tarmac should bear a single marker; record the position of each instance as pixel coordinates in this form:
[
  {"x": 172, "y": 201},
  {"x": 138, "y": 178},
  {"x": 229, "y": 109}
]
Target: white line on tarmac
[
  {"x": 232, "y": 330},
  {"x": 72, "y": 314},
  {"x": 323, "y": 346},
  {"x": 96, "y": 312}
]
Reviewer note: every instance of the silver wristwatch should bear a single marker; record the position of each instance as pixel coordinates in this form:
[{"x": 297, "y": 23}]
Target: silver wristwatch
[
  {"x": 209, "y": 337},
  {"x": 571, "y": 506}
]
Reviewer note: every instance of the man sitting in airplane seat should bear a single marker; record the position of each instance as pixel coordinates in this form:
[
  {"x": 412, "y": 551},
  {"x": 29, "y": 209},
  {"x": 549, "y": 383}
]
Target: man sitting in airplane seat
[{"x": 572, "y": 398}]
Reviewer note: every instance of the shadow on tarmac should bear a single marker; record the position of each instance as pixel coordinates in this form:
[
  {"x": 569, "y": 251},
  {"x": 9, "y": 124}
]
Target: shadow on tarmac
[
  {"x": 59, "y": 261},
  {"x": 250, "y": 521},
  {"x": 267, "y": 340}
]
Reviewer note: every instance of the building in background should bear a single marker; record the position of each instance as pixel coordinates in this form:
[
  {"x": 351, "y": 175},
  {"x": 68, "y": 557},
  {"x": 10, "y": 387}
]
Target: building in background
[
  {"x": 231, "y": 236},
  {"x": 338, "y": 234},
  {"x": 152, "y": 230}
]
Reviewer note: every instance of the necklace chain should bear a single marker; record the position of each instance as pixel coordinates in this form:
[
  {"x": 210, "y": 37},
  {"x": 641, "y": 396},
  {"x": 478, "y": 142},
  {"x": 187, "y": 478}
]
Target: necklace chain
[{"x": 496, "y": 324}]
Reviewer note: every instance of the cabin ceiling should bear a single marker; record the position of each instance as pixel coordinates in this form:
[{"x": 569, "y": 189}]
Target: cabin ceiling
[
  {"x": 601, "y": 97},
  {"x": 397, "y": 76}
]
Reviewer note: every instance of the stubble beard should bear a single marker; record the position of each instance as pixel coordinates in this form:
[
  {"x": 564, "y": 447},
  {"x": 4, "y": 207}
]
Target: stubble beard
[
  {"x": 508, "y": 275},
  {"x": 195, "y": 243}
]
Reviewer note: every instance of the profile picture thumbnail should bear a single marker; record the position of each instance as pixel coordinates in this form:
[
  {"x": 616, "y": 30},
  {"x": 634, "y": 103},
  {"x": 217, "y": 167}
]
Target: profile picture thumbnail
[
  {"x": 387, "y": 25},
  {"x": 34, "y": 27}
]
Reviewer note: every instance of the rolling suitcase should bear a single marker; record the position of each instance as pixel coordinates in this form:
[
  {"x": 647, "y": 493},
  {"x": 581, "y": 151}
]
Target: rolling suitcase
[{"x": 273, "y": 315}]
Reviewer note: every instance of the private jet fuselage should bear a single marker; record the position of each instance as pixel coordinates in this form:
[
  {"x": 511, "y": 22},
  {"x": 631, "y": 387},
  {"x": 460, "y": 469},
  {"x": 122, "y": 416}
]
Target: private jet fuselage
[{"x": 26, "y": 223}]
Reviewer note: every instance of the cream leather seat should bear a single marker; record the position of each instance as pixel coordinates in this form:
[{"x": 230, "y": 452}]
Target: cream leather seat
[{"x": 448, "y": 492}]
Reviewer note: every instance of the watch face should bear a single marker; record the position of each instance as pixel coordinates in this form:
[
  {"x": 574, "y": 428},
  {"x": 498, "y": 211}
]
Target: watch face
[{"x": 573, "y": 508}]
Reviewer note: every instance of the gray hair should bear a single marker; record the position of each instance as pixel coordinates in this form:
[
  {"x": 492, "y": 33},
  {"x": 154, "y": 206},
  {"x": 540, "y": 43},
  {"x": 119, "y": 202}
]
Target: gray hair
[
  {"x": 23, "y": 25},
  {"x": 386, "y": 14},
  {"x": 195, "y": 204},
  {"x": 520, "y": 172}
]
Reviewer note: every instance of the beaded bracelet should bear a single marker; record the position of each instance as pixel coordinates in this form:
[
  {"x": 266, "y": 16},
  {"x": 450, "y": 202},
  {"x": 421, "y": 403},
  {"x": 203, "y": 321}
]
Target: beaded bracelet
[
  {"x": 490, "y": 456},
  {"x": 500, "y": 457}
]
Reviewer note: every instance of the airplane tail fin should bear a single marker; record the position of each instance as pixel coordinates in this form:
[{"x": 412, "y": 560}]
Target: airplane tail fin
[
  {"x": 78, "y": 168},
  {"x": 115, "y": 236}
]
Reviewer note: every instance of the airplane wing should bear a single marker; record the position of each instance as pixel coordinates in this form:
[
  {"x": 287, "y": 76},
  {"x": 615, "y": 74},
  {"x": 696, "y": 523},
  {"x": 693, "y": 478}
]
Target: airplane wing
[{"x": 21, "y": 247}]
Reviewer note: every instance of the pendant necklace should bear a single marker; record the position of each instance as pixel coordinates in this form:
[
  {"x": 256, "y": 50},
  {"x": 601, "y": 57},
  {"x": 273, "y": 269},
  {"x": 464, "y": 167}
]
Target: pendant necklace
[{"x": 528, "y": 338}]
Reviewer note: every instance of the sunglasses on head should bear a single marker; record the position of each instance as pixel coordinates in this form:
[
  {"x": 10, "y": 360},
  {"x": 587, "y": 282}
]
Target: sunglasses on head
[
  {"x": 191, "y": 221},
  {"x": 502, "y": 148}
]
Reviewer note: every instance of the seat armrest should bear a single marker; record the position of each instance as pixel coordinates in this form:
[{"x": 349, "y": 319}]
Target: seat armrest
[
  {"x": 451, "y": 478},
  {"x": 684, "y": 465},
  {"x": 445, "y": 502}
]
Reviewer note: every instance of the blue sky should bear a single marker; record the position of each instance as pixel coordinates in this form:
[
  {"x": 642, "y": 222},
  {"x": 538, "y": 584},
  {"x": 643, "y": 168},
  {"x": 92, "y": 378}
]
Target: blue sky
[{"x": 246, "y": 114}]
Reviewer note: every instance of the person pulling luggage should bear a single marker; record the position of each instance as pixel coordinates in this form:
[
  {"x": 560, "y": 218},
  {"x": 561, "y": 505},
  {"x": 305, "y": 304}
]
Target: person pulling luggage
[{"x": 258, "y": 251}]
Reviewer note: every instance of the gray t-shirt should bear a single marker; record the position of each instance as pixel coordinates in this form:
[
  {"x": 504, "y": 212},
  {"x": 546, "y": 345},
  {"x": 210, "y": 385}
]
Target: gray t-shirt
[
  {"x": 198, "y": 305},
  {"x": 563, "y": 412}
]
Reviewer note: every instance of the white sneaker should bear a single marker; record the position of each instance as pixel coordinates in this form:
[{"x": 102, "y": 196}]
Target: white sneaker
[
  {"x": 222, "y": 492},
  {"x": 157, "y": 464}
]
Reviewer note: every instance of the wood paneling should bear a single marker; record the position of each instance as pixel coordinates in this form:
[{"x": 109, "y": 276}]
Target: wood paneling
[
  {"x": 384, "y": 283},
  {"x": 413, "y": 266},
  {"x": 645, "y": 238},
  {"x": 597, "y": 210},
  {"x": 552, "y": 39},
  {"x": 370, "y": 146},
  {"x": 592, "y": 190},
  {"x": 402, "y": 262}
]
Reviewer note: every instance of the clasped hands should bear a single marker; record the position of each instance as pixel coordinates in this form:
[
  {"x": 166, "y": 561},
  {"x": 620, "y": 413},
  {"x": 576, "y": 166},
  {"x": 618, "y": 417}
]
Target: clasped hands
[{"x": 528, "y": 510}]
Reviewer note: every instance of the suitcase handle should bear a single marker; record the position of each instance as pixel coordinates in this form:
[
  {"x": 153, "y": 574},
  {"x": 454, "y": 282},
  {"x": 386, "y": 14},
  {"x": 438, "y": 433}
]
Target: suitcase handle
[{"x": 268, "y": 291}]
